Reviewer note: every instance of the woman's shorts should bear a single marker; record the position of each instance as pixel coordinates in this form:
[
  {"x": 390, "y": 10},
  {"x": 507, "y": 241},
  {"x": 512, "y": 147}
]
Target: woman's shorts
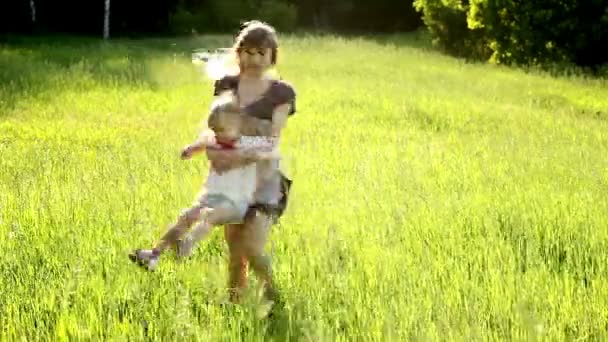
[{"x": 274, "y": 208}]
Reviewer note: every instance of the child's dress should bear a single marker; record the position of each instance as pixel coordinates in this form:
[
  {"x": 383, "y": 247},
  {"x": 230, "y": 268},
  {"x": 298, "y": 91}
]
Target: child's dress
[{"x": 234, "y": 189}]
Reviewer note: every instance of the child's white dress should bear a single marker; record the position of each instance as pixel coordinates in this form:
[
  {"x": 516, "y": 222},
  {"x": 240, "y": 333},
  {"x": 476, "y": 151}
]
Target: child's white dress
[{"x": 235, "y": 188}]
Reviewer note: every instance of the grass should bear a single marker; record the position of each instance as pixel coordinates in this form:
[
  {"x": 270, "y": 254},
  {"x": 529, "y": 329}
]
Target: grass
[{"x": 433, "y": 199}]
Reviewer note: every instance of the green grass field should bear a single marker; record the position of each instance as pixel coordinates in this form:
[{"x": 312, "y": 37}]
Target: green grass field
[{"x": 433, "y": 199}]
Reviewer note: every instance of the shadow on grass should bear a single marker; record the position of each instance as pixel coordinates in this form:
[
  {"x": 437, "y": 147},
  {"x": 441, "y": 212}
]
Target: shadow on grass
[
  {"x": 417, "y": 39},
  {"x": 30, "y": 66},
  {"x": 420, "y": 39},
  {"x": 282, "y": 324}
]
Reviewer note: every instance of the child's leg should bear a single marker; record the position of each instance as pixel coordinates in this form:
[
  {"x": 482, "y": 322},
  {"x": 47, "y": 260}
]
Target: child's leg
[
  {"x": 184, "y": 222},
  {"x": 223, "y": 211},
  {"x": 150, "y": 257},
  {"x": 200, "y": 231}
]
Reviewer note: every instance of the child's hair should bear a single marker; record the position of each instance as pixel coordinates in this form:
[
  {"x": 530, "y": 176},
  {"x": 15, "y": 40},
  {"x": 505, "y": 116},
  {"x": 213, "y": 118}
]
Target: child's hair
[
  {"x": 225, "y": 115},
  {"x": 224, "y": 110}
]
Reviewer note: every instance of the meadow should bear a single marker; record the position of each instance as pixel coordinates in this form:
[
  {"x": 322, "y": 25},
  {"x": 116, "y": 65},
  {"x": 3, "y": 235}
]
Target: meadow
[{"x": 433, "y": 199}]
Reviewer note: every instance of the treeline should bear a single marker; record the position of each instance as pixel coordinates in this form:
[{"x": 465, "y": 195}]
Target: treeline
[
  {"x": 139, "y": 17},
  {"x": 505, "y": 31}
]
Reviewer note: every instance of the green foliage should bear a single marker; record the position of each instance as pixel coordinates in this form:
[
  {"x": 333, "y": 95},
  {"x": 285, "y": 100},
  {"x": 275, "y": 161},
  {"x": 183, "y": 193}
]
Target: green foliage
[
  {"x": 228, "y": 14},
  {"x": 184, "y": 21},
  {"x": 447, "y": 22},
  {"x": 282, "y": 15},
  {"x": 537, "y": 32},
  {"x": 524, "y": 33}
]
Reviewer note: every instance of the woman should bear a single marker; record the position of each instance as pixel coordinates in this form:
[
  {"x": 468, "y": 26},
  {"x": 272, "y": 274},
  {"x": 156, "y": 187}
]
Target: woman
[{"x": 255, "y": 53}]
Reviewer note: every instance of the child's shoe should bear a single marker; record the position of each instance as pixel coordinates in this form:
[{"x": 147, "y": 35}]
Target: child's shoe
[{"x": 147, "y": 258}]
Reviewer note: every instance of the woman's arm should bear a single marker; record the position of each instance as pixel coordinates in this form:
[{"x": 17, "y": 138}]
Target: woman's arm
[
  {"x": 279, "y": 118},
  {"x": 224, "y": 159}
]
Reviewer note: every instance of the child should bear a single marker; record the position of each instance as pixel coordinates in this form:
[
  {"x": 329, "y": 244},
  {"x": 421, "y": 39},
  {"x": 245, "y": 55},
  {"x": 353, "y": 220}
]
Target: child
[{"x": 229, "y": 193}]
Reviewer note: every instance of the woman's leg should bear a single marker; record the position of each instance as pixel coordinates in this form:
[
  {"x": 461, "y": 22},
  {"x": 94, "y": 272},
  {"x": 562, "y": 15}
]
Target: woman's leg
[
  {"x": 237, "y": 266},
  {"x": 254, "y": 238}
]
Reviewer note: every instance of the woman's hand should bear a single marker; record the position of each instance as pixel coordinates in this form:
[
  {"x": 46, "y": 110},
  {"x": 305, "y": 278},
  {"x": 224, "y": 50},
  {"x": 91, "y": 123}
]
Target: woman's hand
[
  {"x": 223, "y": 160},
  {"x": 272, "y": 155}
]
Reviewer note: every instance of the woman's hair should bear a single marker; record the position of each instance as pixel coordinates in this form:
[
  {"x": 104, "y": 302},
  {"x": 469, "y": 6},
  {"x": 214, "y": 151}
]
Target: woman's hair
[
  {"x": 256, "y": 34},
  {"x": 252, "y": 34}
]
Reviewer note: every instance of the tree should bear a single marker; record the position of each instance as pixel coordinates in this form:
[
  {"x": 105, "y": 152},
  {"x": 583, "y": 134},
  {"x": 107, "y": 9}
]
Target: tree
[
  {"x": 106, "y": 21},
  {"x": 33, "y": 10}
]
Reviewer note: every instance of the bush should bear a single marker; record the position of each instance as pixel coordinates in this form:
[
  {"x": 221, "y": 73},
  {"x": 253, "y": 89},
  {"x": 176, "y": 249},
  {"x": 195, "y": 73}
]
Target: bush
[
  {"x": 541, "y": 32},
  {"x": 447, "y": 23},
  {"x": 532, "y": 32}
]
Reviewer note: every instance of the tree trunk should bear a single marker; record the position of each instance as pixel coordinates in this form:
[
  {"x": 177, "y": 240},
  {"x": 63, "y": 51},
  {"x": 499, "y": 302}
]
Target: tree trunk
[
  {"x": 33, "y": 9},
  {"x": 106, "y": 21}
]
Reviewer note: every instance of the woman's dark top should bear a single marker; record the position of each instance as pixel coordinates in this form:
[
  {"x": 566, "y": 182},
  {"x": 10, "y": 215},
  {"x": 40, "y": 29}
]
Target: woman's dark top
[{"x": 279, "y": 92}]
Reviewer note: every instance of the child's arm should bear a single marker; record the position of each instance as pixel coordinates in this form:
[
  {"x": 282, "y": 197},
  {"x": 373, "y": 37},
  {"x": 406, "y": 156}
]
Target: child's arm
[
  {"x": 207, "y": 138},
  {"x": 193, "y": 149}
]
